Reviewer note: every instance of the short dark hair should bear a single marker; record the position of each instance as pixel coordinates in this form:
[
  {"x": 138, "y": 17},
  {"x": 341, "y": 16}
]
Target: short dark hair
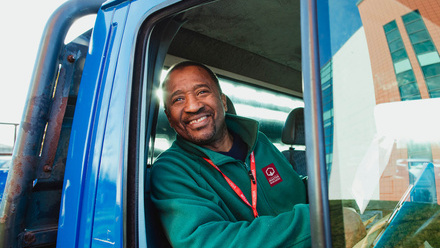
[{"x": 184, "y": 64}]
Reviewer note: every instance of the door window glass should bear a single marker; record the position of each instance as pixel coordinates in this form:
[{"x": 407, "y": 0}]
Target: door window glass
[{"x": 382, "y": 141}]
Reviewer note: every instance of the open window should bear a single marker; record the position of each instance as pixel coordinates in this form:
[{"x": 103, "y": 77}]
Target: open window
[{"x": 255, "y": 49}]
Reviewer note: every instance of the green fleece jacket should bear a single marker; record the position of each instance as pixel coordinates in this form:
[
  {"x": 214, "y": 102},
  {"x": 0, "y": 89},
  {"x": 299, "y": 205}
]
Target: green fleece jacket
[{"x": 198, "y": 208}]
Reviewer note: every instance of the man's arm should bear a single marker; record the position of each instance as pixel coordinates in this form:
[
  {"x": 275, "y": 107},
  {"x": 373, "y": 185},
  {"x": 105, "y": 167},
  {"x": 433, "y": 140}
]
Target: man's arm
[{"x": 193, "y": 217}]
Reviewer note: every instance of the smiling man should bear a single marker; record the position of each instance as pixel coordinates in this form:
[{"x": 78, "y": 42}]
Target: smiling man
[
  {"x": 195, "y": 107},
  {"x": 222, "y": 183}
]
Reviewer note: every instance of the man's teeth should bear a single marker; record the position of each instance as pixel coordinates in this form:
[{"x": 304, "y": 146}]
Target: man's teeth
[{"x": 198, "y": 120}]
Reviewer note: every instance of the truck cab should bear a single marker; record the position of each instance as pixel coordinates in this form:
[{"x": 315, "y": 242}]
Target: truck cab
[{"x": 347, "y": 91}]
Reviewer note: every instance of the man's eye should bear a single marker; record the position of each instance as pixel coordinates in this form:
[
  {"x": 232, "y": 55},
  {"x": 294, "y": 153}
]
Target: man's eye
[
  {"x": 178, "y": 99},
  {"x": 202, "y": 92}
]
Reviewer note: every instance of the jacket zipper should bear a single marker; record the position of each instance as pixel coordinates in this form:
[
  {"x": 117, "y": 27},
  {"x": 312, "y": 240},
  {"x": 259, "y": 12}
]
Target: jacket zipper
[{"x": 249, "y": 172}]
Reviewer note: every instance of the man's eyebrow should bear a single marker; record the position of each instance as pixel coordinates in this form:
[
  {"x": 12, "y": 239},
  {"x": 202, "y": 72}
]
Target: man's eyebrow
[
  {"x": 197, "y": 86},
  {"x": 177, "y": 92}
]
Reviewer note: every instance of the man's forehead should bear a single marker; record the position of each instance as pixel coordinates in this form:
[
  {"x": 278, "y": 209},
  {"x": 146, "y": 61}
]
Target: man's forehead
[
  {"x": 189, "y": 74},
  {"x": 190, "y": 70}
]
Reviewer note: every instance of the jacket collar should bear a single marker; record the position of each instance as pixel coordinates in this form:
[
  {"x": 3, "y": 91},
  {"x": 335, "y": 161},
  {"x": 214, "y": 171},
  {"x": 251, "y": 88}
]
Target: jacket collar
[{"x": 246, "y": 128}]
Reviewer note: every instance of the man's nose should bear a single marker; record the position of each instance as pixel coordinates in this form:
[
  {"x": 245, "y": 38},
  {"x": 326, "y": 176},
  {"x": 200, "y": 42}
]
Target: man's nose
[{"x": 193, "y": 104}]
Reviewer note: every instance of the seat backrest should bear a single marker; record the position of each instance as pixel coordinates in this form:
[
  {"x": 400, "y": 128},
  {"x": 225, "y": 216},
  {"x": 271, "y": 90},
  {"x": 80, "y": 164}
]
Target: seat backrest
[
  {"x": 293, "y": 130},
  {"x": 293, "y": 134}
]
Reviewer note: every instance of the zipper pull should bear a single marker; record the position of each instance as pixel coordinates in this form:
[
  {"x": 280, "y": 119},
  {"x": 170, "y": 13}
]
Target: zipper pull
[{"x": 251, "y": 176}]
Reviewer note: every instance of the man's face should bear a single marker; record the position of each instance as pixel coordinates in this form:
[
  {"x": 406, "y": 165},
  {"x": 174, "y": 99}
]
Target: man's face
[{"x": 194, "y": 106}]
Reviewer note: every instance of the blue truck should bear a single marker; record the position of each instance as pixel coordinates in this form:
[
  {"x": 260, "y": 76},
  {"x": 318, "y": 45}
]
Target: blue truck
[{"x": 93, "y": 123}]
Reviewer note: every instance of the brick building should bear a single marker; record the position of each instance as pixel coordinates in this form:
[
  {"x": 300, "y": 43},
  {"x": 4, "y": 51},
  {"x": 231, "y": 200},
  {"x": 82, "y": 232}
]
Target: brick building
[{"x": 403, "y": 38}]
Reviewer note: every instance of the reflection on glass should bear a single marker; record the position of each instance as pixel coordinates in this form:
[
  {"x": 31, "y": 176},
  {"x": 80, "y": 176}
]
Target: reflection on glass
[
  {"x": 380, "y": 76},
  {"x": 327, "y": 106},
  {"x": 425, "y": 50},
  {"x": 404, "y": 74}
]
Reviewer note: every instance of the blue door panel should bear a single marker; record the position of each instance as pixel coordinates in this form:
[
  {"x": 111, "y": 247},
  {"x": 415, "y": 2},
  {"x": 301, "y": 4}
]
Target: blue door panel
[{"x": 76, "y": 213}]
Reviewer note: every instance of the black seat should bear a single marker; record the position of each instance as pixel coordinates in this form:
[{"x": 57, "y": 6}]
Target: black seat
[{"x": 293, "y": 134}]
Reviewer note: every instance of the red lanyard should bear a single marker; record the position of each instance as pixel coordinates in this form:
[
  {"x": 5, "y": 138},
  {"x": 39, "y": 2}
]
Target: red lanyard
[{"x": 237, "y": 190}]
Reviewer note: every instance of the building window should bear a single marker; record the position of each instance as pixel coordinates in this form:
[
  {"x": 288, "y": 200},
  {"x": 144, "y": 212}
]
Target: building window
[
  {"x": 327, "y": 105},
  {"x": 425, "y": 50},
  {"x": 406, "y": 80}
]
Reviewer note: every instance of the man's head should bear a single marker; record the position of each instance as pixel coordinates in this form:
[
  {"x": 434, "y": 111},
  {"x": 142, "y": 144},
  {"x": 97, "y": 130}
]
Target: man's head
[{"x": 194, "y": 103}]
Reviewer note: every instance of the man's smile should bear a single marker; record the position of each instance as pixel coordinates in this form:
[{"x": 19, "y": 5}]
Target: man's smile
[{"x": 197, "y": 120}]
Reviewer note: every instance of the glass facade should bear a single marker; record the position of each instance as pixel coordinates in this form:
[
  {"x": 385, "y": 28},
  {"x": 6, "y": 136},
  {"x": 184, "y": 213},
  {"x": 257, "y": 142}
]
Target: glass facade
[
  {"x": 406, "y": 79},
  {"x": 425, "y": 50}
]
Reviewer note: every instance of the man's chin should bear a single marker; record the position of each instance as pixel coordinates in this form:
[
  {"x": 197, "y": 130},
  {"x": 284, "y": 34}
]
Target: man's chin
[
  {"x": 201, "y": 140},
  {"x": 202, "y": 136}
]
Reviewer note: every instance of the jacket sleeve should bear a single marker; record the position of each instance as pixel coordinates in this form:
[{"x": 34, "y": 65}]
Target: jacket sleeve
[{"x": 192, "y": 217}]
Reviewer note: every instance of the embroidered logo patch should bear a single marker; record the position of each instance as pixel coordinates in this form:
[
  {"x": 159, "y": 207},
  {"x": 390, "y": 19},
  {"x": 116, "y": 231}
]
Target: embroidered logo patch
[{"x": 272, "y": 175}]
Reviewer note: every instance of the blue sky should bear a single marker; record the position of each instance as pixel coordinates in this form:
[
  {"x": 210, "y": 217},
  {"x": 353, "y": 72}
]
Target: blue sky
[{"x": 337, "y": 22}]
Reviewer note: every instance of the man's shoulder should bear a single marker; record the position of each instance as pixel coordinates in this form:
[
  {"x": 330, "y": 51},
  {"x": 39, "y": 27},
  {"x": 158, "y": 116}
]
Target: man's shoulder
[
  {"x": 175, "y": 157},
  {"x": 172, "y": 154}
]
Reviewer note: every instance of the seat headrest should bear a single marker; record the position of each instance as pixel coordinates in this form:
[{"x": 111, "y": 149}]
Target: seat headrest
[
  {"x": 293, "y": 130},
  {"x": 230, "y": 105}
]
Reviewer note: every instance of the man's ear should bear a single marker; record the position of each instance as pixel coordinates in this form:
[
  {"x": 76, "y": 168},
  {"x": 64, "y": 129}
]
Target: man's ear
[{"x": 225, "y": 104}]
